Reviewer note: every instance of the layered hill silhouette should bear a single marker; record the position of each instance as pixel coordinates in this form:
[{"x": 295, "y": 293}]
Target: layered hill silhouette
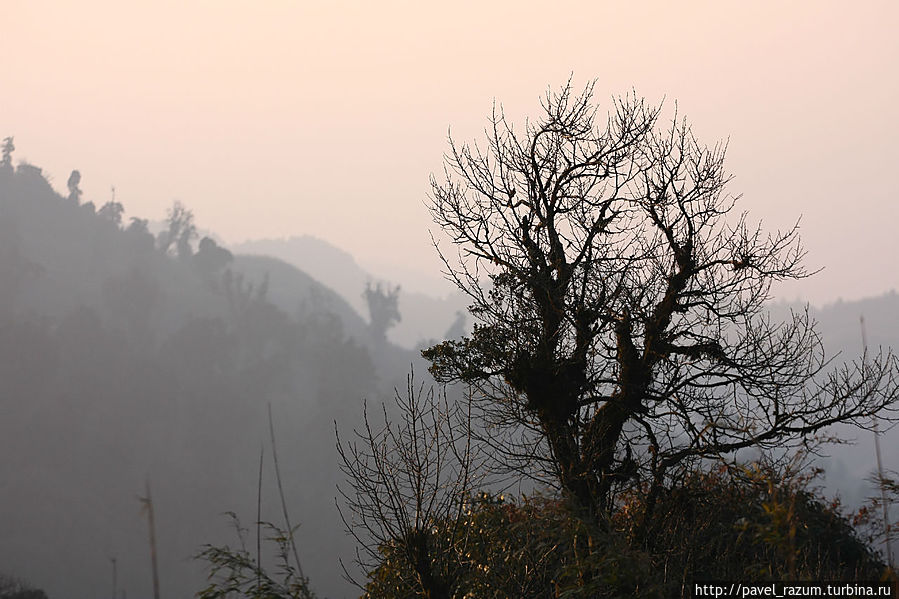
[
  {"x": 128, "y": 357},
  {"x": 424, "y": 317}
]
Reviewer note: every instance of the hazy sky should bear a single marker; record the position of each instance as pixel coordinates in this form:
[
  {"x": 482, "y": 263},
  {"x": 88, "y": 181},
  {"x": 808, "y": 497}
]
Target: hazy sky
[{"x": 272, "y": 118}]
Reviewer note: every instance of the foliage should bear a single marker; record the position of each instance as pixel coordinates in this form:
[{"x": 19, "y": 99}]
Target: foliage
[
  {"x": 180, "y": 231},
  {"x": 10, "y": 588},
  {"x": 112, "y": 211},
  {"x": 756, "y": 522},
  {"x": 752, "y": 522},
  {"x": 211, "y": 259},
  {"x": 527, "y": 548},
  {"x": 234, "y": 570},
  {"x": 7, "y": 149},
  {"x": 115, "y": 354}
]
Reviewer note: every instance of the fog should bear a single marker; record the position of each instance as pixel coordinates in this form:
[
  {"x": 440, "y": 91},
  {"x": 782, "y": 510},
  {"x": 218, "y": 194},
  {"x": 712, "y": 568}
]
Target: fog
[{"x": 300, "y": 138}]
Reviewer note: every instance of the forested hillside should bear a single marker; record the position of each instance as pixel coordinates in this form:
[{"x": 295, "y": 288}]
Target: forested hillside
[
  {"x": 127, "y": 359},
  {"x": 424, "y": 317}
]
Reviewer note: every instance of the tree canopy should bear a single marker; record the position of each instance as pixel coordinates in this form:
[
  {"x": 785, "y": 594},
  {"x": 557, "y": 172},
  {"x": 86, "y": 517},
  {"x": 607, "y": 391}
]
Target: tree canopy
[{"x": 619, "y": 300}]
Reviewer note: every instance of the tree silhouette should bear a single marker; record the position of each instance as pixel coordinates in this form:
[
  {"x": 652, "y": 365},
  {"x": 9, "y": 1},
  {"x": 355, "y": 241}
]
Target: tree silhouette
[
  {"x": 180, "y": 231},
  {"x": 139, "y": 236},
  {"x": 72, "y": 184},
  {"x": 7, "y": 149},
  {"x": 619, "y": 296},
  {"x": 112, "y": 211},
  {"x": 407, "y": 478},
  {"x": 383, "y": 309},
  {"x": 211, "y": 259}
]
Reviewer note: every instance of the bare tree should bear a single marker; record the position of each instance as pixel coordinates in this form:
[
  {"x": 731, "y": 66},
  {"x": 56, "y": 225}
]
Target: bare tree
[
  {"x": 409, "y": 482},
  {"x": 619, "y": 299}
]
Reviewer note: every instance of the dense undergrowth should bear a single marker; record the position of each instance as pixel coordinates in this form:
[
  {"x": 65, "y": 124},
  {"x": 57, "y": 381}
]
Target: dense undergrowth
[{"x": 749, "y": 522}]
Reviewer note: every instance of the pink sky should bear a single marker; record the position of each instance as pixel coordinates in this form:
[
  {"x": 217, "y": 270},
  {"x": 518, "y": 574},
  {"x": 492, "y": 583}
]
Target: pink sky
[{"x": 273, "y": 118}]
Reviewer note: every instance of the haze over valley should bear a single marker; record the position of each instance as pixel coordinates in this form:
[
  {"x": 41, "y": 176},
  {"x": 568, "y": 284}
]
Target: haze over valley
[{"x": 229, "y": 233}]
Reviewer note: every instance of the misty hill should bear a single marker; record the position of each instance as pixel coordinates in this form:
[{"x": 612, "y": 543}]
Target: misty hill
[
  {"x": 334, "y": 267},
  {"x": 848, "y": 466},
  {"x": 841, "y": 330},
  {"x": 127, "y": 357},
  {"x": 298, "y": 294},
  {"x": 424, "y": 317},
  {"x": 840, "y": 323}
]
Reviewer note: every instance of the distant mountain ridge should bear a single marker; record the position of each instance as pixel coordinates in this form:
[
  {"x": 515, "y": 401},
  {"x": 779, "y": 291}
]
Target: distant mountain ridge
[
  {"x": 323, "y": 261},
  {"x": 840, "y": 327},
  {"x": 121, "y": 362},
  {"x": 299, "y": 294},
  {"x": 424, "y": 318}
]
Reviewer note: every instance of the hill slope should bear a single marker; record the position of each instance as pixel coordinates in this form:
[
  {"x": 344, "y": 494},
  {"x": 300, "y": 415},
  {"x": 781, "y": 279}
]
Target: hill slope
[
  {"x": 424, "y": 317},
  {"x": 121, "y": 364}
]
